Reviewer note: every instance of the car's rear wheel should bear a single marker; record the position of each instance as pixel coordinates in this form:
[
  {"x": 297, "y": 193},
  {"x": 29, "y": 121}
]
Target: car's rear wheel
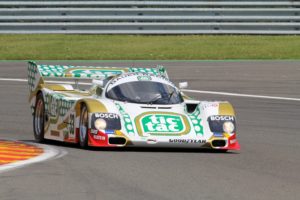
[
  {"x": 39, "y": 118},
  {"x": 83, "y": 127}
]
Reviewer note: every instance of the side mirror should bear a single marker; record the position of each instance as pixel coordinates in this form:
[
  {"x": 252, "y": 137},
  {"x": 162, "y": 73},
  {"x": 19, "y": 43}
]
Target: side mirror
[
  {"x": 99, "y": 83},
  {"x": 183, "y": 85}
]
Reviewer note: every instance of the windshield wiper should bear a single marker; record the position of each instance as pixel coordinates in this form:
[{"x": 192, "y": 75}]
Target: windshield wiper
[{"x": 170, "y": 95}]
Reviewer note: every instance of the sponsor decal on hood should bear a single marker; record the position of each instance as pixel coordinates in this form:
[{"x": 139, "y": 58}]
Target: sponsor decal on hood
[{"x": 162, "y": 124}]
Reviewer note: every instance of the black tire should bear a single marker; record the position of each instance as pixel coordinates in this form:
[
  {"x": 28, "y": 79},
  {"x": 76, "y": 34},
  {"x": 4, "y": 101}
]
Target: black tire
[
  {"x": 39, "y": 119},
  {"x": 83, "y": 127}
]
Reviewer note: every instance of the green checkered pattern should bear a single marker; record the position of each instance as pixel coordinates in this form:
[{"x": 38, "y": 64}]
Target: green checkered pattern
[
  {"x": 59, "y": 71},
  {"x": 196, "y": 121},
  {"x": 126, "y": 119},
  {"x": 47, "y": 101},
  {"x": 31, "y": 74},
  {"x": 144, "y": 70},
  {"x": 63, "y": 105},
  {"x": 160, "y": 70},
  {"x": 53, "y": 70},
  {"x": 66, "y": 105}
]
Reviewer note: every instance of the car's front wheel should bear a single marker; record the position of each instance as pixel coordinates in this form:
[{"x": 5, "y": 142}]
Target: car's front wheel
[
  {"x": 83, "y": 127},
  {"x": 39, "y": 118}
]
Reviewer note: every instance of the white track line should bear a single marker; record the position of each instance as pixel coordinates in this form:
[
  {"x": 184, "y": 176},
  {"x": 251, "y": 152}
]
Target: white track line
[
  {"x": 14, "y": 79},
  {"x": 242, "y": 95},
  {"x": 192, "y": 91},
  {"x": 49, "y": 153},
  {"x": 25, "y": 80}
]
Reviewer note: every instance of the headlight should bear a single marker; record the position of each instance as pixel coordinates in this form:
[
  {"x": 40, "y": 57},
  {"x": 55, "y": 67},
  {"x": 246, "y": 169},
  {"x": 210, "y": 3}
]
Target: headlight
[
  {"x": 228, "y": 127},
  {"x": 100, "y": 124}
]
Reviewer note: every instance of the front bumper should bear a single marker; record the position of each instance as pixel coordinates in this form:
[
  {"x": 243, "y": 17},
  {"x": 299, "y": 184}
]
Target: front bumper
[{"x": 120, "y": 140}]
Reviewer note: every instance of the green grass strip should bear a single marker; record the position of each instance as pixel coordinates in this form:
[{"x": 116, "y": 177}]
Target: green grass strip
[{"x": 141, "y": 47}]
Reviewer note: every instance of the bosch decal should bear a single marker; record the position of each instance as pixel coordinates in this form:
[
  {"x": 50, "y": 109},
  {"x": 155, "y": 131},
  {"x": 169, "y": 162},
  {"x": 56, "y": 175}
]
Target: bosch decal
[
  {"x": 107, "y": 115},
  {"x": 109, "y": 122},
  {"x": 221, "y": 123},
  {"x": 221, "y": 118}
]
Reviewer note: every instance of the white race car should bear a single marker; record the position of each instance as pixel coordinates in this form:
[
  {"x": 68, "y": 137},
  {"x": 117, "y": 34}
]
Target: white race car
[{"x": 137, "y": 107}]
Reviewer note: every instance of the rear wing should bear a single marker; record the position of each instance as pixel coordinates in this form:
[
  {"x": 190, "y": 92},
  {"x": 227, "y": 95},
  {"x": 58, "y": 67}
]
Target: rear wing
[{"x": 38, "y": 73}]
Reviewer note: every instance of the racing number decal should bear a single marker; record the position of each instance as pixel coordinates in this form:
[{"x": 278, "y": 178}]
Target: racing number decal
[{"x": 71, "y": 126}]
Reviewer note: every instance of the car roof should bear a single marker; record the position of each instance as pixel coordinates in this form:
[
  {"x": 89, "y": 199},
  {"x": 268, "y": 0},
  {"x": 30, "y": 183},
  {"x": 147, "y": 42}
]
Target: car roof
[{"x": 138, "y": 76}]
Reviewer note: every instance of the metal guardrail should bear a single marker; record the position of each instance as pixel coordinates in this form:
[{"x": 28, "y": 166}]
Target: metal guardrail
[{"x": 150, "y": 17}]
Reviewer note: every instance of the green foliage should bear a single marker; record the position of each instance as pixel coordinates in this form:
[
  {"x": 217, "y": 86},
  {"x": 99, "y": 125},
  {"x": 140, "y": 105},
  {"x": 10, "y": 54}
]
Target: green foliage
[{"x": 141, "y": 47}]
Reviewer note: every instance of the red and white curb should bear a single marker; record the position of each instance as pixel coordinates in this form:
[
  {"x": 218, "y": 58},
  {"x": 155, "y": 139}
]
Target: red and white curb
[{"x": 47, "y": 153}]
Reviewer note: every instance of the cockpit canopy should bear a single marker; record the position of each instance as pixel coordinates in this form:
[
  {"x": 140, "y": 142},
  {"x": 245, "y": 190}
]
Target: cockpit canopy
[{"x": 144, "y": 89}]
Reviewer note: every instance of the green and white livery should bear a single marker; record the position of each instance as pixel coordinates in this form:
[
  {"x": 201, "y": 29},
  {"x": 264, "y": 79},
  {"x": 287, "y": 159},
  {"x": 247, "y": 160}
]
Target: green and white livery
[{"x": 124, "y": 107}]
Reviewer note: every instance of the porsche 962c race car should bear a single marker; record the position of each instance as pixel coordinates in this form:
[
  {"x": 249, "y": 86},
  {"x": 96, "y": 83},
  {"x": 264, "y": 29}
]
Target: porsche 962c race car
[{"x": 137, "y": 107}]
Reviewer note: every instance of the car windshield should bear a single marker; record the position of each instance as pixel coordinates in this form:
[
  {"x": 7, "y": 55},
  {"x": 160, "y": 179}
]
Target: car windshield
[{"x": 147, "y": 92}]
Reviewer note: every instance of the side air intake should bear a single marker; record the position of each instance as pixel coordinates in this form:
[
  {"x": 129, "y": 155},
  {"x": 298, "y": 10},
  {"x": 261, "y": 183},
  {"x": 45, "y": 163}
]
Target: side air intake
[
  {"x": 117, "y": 140},
  {"x": 218, "y": 143}
]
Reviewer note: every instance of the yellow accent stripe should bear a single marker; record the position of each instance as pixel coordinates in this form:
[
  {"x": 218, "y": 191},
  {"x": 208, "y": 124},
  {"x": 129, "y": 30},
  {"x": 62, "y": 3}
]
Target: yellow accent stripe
[
  {"x": 74, "y": 92},
  {"x": 55, "y": 87},
  {"x": 64, "y": 124},
  {"x": 226, "y": 109},
  {"x": 226, "y": 135},
  {"x": 119, "y": 133},
  {"x": 95, "y": 106},
  {"x": 77, "y": 109}
]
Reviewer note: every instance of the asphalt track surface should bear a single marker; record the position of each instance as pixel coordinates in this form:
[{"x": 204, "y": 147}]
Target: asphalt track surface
[{"x": 267, "y": 167}]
